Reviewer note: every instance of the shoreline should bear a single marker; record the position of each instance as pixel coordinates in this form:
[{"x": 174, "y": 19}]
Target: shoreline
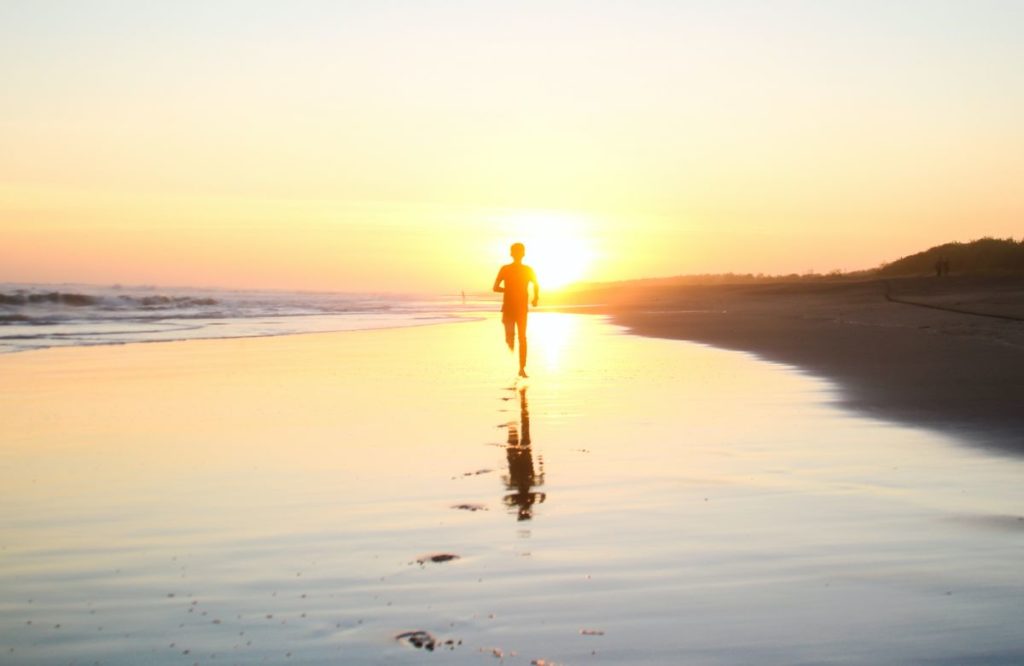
[
  {"x": 459, "y": 318},
  {"x": 943, "y": 354},
  {"x": 919, "y": 363}
]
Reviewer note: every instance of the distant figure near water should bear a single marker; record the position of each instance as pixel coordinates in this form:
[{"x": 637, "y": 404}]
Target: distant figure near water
[{"x": 514, "y": 282}]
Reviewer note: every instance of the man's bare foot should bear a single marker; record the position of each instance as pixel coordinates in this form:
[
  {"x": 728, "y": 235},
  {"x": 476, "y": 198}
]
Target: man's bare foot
[{"x": 522, "y": 373}]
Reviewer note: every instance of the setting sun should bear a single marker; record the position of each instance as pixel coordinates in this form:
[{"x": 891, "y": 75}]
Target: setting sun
[{"x": 557, "y": 244}]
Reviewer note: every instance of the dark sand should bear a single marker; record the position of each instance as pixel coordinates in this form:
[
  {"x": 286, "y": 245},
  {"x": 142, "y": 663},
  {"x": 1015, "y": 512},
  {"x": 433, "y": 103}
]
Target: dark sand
[{"x": 945, "y": 353}]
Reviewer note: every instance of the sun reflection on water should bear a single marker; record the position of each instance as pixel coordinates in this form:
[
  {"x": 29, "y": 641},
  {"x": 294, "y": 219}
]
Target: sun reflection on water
[{"x": 550, "y": 335}]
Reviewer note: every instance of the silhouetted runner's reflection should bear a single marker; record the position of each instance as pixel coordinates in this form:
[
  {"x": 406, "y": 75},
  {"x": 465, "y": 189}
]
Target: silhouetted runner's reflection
[
  {"x": 514, "y": 282},
  {"x": 521, "y": 476}
]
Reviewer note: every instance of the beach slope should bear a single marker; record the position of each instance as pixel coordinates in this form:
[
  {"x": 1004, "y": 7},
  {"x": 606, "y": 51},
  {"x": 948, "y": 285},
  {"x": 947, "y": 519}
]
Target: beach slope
[{"x": 947, "y": 353}]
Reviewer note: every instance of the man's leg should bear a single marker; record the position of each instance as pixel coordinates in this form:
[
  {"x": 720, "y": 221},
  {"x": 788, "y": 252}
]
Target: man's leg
[
  {"x": 510, "y": 329},
  {"x": 521, "y": 325}
]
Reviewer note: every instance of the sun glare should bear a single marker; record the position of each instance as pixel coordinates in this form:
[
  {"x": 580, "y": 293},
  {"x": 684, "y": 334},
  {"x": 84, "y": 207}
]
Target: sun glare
[
  {"x": 557, "y": 245},
  {"x": 550, "y": 335}
]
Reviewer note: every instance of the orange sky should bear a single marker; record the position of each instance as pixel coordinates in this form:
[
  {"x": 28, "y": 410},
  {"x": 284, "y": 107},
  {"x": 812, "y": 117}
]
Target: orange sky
[{"x": 371, "y": 146}]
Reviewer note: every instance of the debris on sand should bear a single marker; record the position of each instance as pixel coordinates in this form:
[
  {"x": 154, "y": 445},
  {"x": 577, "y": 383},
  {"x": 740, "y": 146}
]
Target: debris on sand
[
  {"x": 424, "y": 640},
  {"x": 470, "y": 507},
  {"x": 476, "y": 473},
  {"x": 436, "y": 558},
  {"x": 591, "y": 632}
]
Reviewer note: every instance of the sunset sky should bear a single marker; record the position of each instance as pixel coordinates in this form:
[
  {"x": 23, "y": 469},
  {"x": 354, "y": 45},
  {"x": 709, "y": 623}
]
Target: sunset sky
[{"x": 401, "y": 146}]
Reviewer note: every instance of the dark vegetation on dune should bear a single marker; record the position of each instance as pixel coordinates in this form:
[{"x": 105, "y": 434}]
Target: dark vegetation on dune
[
  {"x": 985, "y": 256},
  {"x": 981, "y": 257}
]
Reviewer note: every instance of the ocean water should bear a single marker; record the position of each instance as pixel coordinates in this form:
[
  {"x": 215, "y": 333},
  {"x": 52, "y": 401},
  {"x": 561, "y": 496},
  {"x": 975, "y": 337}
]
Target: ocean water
[
  {"x": 322, "y": 498},
  {"x": 40, "y": 316}
]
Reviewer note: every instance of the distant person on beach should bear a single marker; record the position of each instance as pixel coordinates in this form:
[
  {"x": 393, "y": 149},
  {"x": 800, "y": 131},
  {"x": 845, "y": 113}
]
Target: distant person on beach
[{"x": 514, "y": 282}]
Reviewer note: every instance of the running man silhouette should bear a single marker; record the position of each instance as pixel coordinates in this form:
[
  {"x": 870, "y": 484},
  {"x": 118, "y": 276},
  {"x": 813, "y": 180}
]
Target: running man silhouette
[{"x": 514, "y": 282}]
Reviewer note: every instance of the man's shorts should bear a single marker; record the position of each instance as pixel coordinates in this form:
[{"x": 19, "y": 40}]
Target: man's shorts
[{"x": 509, "y": 317}]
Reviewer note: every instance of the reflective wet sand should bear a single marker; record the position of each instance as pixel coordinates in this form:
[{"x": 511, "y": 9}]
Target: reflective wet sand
[{"x": 308, "y": 499}]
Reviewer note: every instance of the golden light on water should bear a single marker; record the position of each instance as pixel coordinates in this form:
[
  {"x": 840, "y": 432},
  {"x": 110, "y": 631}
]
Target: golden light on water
[
  {"x": 559, "y": 245},
  {"x": 550, "y": 335}
]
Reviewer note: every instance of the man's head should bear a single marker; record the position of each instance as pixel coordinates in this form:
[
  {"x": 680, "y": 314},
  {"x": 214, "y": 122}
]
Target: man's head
[{"x": 518, "y": 250}]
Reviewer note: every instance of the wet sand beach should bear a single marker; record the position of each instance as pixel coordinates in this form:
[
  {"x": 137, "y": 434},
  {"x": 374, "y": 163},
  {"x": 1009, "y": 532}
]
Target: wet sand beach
[
  {"x": 396, "y": 496},
  {"x": 945, "y": 353}
]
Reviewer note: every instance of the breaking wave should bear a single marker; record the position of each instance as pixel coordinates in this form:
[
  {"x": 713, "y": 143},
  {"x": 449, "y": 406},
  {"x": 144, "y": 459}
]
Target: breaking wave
[
  {"x": 25, "y": 297},
  {"x": 38, "y": 316}
]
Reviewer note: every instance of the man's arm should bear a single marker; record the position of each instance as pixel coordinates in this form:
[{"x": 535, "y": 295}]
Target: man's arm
[
  {"x": 536, "y": 287},
  {"x": 498, "y": 280}
]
